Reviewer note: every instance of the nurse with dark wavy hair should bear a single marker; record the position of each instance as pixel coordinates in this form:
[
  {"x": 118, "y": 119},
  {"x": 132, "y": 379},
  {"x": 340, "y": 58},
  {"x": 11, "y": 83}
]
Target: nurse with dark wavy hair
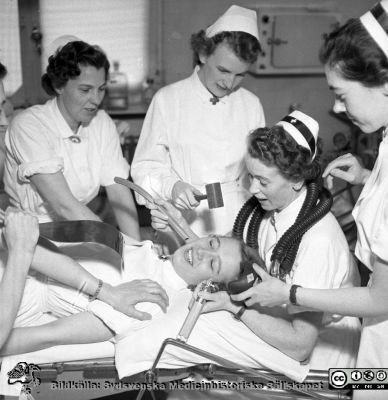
[
  {"x": 283, "y": 167},
  {"x": 60, "y": 153}
]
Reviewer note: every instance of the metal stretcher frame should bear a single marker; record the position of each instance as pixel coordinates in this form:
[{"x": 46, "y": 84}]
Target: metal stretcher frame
[{"x": 223, "y": 370}]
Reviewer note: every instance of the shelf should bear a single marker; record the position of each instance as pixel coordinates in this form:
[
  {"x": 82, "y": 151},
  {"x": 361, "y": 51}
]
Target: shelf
[{"x": 137, "y": 110}]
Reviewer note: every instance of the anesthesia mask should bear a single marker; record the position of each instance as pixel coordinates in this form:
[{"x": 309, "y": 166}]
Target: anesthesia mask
[{"x": 246, "y": 280}]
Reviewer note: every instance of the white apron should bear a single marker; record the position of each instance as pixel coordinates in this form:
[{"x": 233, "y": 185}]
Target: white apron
[
  {"x": 186, "y": 138},
  {"x": 371, "y": 217}
]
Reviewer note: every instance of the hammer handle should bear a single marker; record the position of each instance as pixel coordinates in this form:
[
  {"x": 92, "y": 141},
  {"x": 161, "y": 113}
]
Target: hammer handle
[{"x": 200, "y": 197}]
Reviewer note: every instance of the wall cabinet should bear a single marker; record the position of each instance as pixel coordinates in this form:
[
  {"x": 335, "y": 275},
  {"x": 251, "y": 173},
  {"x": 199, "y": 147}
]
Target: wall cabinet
[{"x": 291, "y": 40}]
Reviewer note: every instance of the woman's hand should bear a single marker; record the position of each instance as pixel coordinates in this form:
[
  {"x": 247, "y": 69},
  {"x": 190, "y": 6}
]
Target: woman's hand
[
  {"x": 124, "y": 297},
  {"x": 21, "y": 231},
  {"x": 348, "y": 168},
  {"x": 214, "y": 301},
  {"x": 161, "y": 249},
  {"x": 183, "y": 196},
  {"x": 218, "y": 301},
  {"x": 270, "y": 292},
  {"x": 159, "y": 218}
]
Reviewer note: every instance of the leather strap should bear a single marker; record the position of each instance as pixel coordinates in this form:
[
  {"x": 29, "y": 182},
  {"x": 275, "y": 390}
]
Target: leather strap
[
  {"x": 240, "y": 313},
  {"x": 82, "y": 231}
]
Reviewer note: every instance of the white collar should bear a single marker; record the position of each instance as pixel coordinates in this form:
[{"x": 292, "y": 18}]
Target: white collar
[
  {"x": 201, "y": 90},
  {"x": 286, "y": 217},
  {"x": 172, "y": 279}
]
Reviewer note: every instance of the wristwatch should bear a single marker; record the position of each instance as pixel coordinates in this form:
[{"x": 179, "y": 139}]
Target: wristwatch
[{"x": 293, "y": 294}]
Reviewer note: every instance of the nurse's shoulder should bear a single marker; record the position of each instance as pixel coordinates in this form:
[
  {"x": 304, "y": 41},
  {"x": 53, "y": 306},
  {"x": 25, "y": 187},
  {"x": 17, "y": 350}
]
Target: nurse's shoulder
[
  {"x": 169, "y": 98},
  {"x": 175, "y": 89},
  {"x": 33, "y": 118},
  {"x": 248, "y": 97},
  {"x": 327, "y": 230}
]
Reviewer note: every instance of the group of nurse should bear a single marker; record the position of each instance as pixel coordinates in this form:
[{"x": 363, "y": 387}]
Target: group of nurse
[
  {"x": 355, "y": 57},
  {"x": 356, "y": 66},
  {"x": 60, "y": 153}
]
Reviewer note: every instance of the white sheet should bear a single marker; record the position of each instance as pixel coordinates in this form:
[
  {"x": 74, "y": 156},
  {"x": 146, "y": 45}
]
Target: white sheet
[
  {"x": 137, "y": 342},
  {"x": 218, "y": 333},
  {"x": 98, "y": 260}
]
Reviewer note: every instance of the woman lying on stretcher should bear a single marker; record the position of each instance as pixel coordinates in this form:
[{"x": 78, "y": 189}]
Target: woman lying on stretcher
[
  {"x": 214, "y": 257},
  {"x": 278, "y": 165}
]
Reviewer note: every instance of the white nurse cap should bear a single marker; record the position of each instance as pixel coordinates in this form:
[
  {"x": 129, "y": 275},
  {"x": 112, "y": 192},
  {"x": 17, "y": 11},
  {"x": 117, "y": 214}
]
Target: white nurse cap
[
  {"x": 375, "y": 22},
  {"x": 303, "y": 129},
  {"x": 57, "y": 45},
  {"x": 235, "y": 19}
]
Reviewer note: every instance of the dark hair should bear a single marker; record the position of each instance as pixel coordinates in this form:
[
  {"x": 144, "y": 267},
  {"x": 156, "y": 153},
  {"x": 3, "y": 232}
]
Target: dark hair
[
  {"x": 65, "y": 64},
  {"x": 275, "y": 147},
  {"x": 248, "y": 254},
  {"x": 245, "y": 46},
  {"x": 354, "y": 52},
  {"x": 3, "y": 71}
]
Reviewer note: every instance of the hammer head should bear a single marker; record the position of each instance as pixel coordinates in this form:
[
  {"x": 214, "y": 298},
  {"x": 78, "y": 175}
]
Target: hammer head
[{"x": 214, "y": 195}]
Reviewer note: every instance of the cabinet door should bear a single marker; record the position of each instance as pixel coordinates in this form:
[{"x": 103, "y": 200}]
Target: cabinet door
[
  {"x": 291, "y": 41},
  {"x": 296, "y": 40}
]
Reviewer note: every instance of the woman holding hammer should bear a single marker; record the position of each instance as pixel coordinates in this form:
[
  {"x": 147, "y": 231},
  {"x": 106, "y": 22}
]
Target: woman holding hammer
[{"x": 195, "y": 129}]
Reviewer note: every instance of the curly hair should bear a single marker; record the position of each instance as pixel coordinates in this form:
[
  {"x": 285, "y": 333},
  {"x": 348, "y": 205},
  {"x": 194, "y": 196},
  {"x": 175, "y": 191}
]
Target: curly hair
[
  {"x": 65, "y": 64},
  {"x": 275, "y": 147},
  {"x": 245, "y": 46},
  {"x": 3, "y": 71},
  {"x": 354, "y": 52}
]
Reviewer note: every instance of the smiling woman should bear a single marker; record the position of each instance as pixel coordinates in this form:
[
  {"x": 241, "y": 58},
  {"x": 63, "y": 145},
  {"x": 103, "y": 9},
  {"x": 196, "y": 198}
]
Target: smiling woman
[
  {"x": 79, "y": 99},
  {"x": 215, "y": 257},
  {"x": 283, "y": 168},
  {"x": 222, "y": 71},
  {"x": 60, "y": 153},
  {"x": 195, "y": 130}
]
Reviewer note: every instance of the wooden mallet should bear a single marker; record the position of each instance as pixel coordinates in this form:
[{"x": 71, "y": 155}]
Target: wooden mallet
[{"x": 213, "y": 195}]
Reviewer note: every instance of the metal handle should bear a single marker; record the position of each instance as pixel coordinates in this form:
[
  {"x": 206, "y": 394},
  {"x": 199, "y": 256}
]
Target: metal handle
[
  {"x": 195, "y": 310},
  {"x": 200, "y": 197},
  {"x": 190, "y": 320}
]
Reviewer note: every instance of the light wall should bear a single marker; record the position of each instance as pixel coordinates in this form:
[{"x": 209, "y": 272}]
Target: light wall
[{"x": 181, "y": 18}]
